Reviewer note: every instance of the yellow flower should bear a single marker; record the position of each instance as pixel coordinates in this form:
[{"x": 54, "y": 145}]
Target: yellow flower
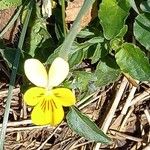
[{"x": 47, "y": 102}]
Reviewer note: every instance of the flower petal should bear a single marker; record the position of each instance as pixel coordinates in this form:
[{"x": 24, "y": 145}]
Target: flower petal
[
  {"x": 36, "y": 72},
  {"x": 58, "y": 72},
  {"x": 64, "y": 96},
  {"x": 34, "y": 95},
  {"x": 47, "y": 112}
]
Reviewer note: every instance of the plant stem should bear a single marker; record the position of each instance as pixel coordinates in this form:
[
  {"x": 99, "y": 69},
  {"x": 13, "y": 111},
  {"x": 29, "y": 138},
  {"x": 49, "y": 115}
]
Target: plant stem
[
  {"x": 13, "y": 76},
  {"x": 66, "y": 46}
]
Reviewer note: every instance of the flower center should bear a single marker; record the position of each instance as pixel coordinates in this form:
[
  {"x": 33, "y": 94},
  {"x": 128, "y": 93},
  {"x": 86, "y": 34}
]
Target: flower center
[
  {"x": 48, "y": 102},
  {"x": 48, "y": 93}
]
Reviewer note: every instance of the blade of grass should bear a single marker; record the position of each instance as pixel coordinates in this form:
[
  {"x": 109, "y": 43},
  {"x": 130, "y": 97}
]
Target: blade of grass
[
  {"x": 13, "y": 76},
  {"x": 11, "y": 22},
  {"x": 66, "y": 46}
]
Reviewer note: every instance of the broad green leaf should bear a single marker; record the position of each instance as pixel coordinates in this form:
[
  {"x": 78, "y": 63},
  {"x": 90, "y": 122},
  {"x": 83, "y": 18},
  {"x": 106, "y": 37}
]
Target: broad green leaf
[
  {"x": 133, "y": 61},
  {"x": 38, "y": 39},
  {"x": 107, "y": 71},
  {"x": 142, "y": 30},
  {"x": 145, "y": 6},
  {"x": 122, "y": 32},
  {"x": 112, "y": 14},
  {"x": 5, "y": 4},
  {"x": 83, "y": 126}
]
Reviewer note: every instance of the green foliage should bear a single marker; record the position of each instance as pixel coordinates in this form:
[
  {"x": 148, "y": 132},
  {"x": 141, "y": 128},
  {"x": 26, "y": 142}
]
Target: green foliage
[
  {"x": 9, "y": 55},
  {"x": 145, "y": 6},
  {"x": 83, "y": 126},
  {"x": 76, "y": 58},
  {"x": 133, "y": 61},
  {"x": 83, "y": 80},
  {"x": 38, "y": 35},
  {"x": 112, "y": 14},
  {"x": 38, "y": 42},
  {"x": 142, "y": 30},
  {"x": 107, "y": 71}
]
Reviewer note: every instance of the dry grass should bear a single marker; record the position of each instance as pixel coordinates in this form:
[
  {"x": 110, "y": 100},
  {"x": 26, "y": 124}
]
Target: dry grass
[{"x": 120, "y": 110}]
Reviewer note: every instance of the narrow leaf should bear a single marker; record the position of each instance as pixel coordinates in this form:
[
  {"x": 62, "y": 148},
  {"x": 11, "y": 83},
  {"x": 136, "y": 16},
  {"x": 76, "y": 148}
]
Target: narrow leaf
[{"x": 13, "y": 76}]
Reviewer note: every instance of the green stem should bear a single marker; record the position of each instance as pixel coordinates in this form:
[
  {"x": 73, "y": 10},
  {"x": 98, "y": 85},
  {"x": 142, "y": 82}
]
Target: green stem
[
  {"x": 66, "y": 46},
  {"x": 13, "y": 76},
  {"x": 63, "y": 16}
]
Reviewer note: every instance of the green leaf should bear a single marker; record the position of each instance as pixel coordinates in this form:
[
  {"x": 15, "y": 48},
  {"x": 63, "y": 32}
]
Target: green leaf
[
  {"x": 97, "y": 54},
  {"x": 85, "y": 33},
  {"x": 38, "y": 42},
  {"x": 83, "y": 126},
  {"x": 142, "y": 30},
  {"x": 145, "y": 6},
  {"x": 133, "y": 5},
  {"x": 8, "y": 55},
  {"x": 66, "y": 46},
  {"x": 75, "y": 47},
  {"x": 112, "y": 14},
  {"x": 118, "y": 40},
  {"x": 133, "y": 61},
  {"x": 5, "y": 4},
  {"x": 76, "y": 58},
  {"x": 82, "y": 80},
  {"x": 100, "y": 51},
  {"x": 107, "y": 71},
  {"x": 122, "y": 32}
]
